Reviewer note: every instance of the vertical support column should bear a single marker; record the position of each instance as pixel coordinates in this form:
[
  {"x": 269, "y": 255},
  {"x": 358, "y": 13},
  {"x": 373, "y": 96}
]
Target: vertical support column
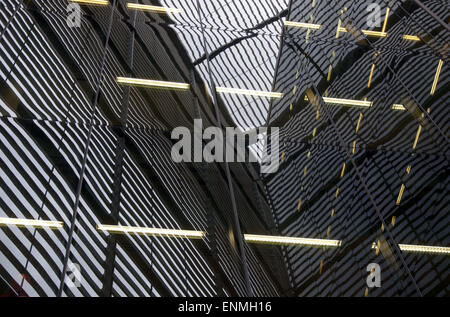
[
  {"x": 211, "y": 236},
  {"x": 236, "y": 223},
  {"x": 118, "y": 170},
  {"x": 283, "y": 249},
  {"x": 277, "y": 65},
  {"x": 275, "y": 78},
  {"x": 86, "y": 152}
]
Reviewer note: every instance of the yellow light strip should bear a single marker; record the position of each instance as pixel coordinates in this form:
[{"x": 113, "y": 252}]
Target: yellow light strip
[
  {"x": 151, "y": 83},
  {"x": 346, "y": 102},
  {"x": 330, "y": 69},
  {"x": 420, "y": 248},
  {"x": 339, "y": 29},
  {"x": 150, "y": 8},
  {"x": 385, "y": 20},
  {"x": 416, "y": 140},
  {"x": 372, "y": 69},
  {"x": 436, "y": 77},
  {"x": 303, "y": 25},
  {"x": 400, "y": 195},
  {"x": 92, "y": 2},
  {"x": 411, "y": 38},
  {"x": 31, "y": 223},
  {"x": 359, "y": 123},
  {"x": 251, "y": 238},
  {"x": 343, "y": 170},
  {"x": 374, "y": 33},
  {"x": 169, "y": 233},
  {"x": 398, "y": 107},
  {"x": 256, "y": 93},
  {"x": 365, "y": 32}
]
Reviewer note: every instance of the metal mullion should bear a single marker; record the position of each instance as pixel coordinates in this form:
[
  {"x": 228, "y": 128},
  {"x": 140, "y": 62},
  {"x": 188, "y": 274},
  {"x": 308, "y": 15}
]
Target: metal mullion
[
  {"x": 237, "y": 229},
  {"x": 86, "y": 152}
]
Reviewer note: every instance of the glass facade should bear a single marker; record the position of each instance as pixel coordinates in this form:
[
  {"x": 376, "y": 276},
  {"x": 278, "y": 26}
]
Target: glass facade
[{"x": 359, "y": 95}]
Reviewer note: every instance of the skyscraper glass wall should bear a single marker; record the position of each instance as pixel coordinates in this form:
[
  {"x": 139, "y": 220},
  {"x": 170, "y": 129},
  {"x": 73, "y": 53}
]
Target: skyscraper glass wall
[{"x": 350, "y": 97}]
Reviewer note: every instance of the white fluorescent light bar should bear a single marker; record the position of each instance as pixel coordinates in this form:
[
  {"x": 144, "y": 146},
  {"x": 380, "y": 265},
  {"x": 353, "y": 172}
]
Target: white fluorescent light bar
[
  {"x": 92, "y": 2},
  {"x": 256, "y": 93},
  {"x": 421, "y": 248},
  {"x": 31, "y": 223},
  {"x": 398, "y": 107},
  {"x": 150, "y": 8},
  {"x": 169, "y": 233},
  {"x": 251, "y": 238},
  {"x": 151, "y": 83},
  {"x": 303, "y": 25},
  {"x": 424, "y": 249},
  {"x": 346, "y": 102}
]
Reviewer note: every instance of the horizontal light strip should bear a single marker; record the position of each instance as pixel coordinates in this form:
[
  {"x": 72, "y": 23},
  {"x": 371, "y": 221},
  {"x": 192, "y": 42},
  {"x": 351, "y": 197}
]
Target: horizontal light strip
[
  {"x": 420, "y": 248},
  {"x": 347, "y": 102},
  {"x": 411, "y": 38},
  {"x": 374, "y": 33},
  {"x": 303, "y": 25},
  {"x": 31, "y": 223},
  {"x": 423, "y": 248},
  {"x": 341, "y": 29},
  {"x": 249, "y": 92},
  {"x": 170, "y": 233},
  {"x": 92, "y": 2},
  {"x": 366, "y": 32},
  {"x": 398, "y": 107},
  {"x": 150, "y": 8},
  {"x": 251, "y": 238},
  {"x": 151, "y": 83}
]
